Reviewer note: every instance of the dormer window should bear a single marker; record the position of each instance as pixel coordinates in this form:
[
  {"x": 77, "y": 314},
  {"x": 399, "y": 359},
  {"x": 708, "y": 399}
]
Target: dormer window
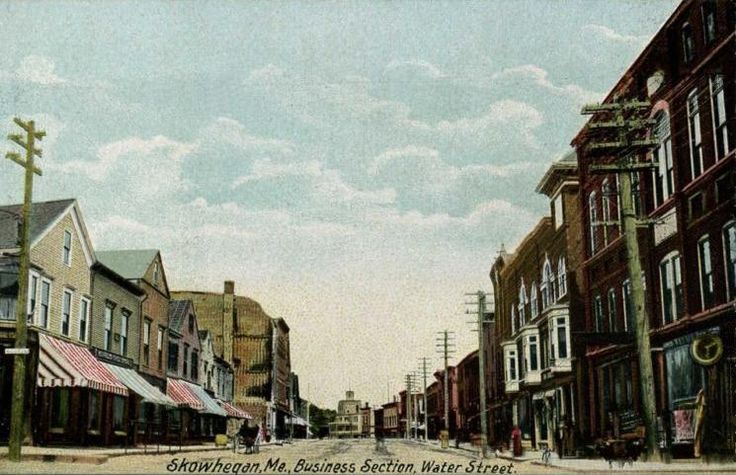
[{"x": 66, "y": 255}]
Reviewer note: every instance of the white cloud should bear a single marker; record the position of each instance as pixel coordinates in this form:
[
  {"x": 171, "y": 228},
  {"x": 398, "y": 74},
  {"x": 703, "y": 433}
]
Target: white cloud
[
  {"x": 39, "y": 70},
  {"x": 267, "y": 168},
  {"x": 540, "y": 77},
  {"x": 421, "y": 67},
  {"x": 234, "y": 133},
  {"x": 609, "y": 34}
]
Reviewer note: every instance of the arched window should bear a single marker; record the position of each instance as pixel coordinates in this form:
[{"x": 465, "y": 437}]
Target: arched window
[
  {"x": 664, "y": 175},
  {"x": 561, "y": 277},
  {"x": 534, "y": 308}
]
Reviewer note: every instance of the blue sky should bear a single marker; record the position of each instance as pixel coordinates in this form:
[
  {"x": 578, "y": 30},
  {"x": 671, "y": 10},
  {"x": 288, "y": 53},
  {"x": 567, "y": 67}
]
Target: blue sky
[{"x": 353, "y": 166}]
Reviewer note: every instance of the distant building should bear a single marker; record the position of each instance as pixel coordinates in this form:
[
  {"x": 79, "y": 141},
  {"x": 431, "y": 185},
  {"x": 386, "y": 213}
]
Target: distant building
[
  {"x": 390, "y": 416},
  {"x": 348, "y": 422},
  {"x": 367, "y": 421}
]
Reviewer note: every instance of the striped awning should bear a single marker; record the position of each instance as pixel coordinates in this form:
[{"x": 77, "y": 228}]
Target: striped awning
[
  {"x": 63, "y": 364},
  {"x": 140, "y": 386},
  {"x": 210, "y": 405},
  {"x": 182, "y": 395},
  {"x": 233, "y": 411}
]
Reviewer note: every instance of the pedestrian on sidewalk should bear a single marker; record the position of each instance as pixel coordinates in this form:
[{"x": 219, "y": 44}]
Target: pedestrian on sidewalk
[{"x": 516, "y": 441}]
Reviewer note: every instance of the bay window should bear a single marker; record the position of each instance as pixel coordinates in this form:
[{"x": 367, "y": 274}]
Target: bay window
[
  {"x": 561, "y": 277},
  {"x": 533, "y": 308}
]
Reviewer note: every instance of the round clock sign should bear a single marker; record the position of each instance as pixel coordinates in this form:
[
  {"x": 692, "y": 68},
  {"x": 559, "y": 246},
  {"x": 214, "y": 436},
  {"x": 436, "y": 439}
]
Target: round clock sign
[{"x": 707, "y": 349}]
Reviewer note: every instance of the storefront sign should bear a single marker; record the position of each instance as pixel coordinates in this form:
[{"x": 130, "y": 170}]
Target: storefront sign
[
  {"x": 17, "y": 351},
  {"x": 109, "y": 357},
  {"x": 707, "y": 349}
]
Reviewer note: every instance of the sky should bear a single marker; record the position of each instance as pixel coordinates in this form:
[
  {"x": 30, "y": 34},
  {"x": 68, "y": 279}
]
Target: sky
[{"x": 353, "y": 166}]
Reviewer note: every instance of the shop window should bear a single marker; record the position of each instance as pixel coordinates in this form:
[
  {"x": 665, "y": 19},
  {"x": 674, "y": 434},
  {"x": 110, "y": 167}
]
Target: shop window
[
  {"x": 59, "y": 408},
  {"x": 94, "y": 411},
  {"x": 729, "y": 253},
  {"x": 705, "y": 265},
  {"x": 671, "y": 288},
  {"x": 684, "y": 377},
  {"x": 118, "y": 414}
]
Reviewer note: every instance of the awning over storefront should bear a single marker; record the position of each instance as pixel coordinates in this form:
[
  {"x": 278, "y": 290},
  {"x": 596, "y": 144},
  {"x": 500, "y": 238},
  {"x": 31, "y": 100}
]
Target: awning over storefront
[
  {"x": 182, "y": 395},
  {"x": 140, "y": 386},
  {"x": 62, "y": 364},
  {"x": 297, "y": 421},
  {"x": 210, "y": 405},
  {"x": 233, "y": 411}
]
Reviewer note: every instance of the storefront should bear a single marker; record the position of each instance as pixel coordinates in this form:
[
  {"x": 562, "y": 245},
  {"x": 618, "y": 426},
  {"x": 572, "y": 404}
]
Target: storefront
[
  {"x": 79, "y": 401},
  {"x": 235, "y": 417}
]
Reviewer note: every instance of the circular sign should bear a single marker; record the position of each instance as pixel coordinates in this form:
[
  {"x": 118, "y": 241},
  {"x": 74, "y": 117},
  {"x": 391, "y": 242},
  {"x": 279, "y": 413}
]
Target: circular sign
[{"x": 707, "y": 349}]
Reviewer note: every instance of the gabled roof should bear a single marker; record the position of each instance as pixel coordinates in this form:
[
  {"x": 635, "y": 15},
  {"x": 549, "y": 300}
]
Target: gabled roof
[
  {"x": 178, "y": 311},
  {"x": 43, "y": 215},
  {"x": 130, "y": 263}
]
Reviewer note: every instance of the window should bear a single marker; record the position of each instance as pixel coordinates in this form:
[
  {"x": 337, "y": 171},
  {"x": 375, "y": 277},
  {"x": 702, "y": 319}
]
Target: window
[
  {"x": 724, "y": 188},
  {"x": 45, "y": 302},
  {"x": 155, "y": 273},
  {"x": 533, "y": 307},
  {"x": 59, "y": 408},
  {"x": 629, "y": 316},
  {"x": 173, "y": 356},
  {"x": 707, "y": 290},
  {"x": 160, "y": 348},
  {"x": 66, "y": 312},
  {"x": 66, "y": 255},
  {"x": 146, "y": 341},
  {"x": 688, "y": 45},
  {"x": 185, "y": 360},
  {"x": 664, "y": 183},
  {"x": 606, "y": 209},
  {"x": 532, "y": 353},
  {"x": 548, "y": 285},
  {"x": 593, "y": 217},
  {"x": 513, "y": 319},
  {"x": 710, "y": 28},
  {"x": 195, "y": 365},
  {"x": 558, "y": 210},
  {"x": 635, "y": 195},
  {"x": 107, "y": 344},
  {"x": 729, "y": 254},
  {"x": 522, "y": 304},
  {"x": 83, "y": 319},
  {"x": 124, "y": 321},
  {"x": 561, "y": 277},
  {"x": 562, "y": 350},
  {"x": 718, "y": 104},
  {"x": 32, "y": 294},
  {"x": 671, "y": 283},
  {"x": 696, "y": 205},
  {"x": 93, "y": 412},
  {"x": 511, "y": 368},
  {"x": 612, "y": 311},
  {"x": 684, "y": 377},
  {"x": 191, "y": 323},
  {"x": 696, "y": 140},
  {"x": 118, "y": 413},
  {"x": 598, "y": 313}
]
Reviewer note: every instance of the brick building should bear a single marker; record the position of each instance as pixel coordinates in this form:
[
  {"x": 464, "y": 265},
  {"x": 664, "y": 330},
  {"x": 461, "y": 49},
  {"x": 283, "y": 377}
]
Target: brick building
[
  {"x": 688, "y": 256},
  {"x": 538, "y": 308}
]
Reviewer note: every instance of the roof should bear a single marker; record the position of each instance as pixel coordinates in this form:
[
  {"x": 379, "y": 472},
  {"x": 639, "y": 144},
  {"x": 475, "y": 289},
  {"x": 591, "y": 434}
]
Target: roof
[
  {"x": 118, "y": 279},
  {"x": 565, "y": 167},
  {"x": 43, "y": 214},
  {"x": 130, "y": 263},
  {"x": 178, "y": 310}
]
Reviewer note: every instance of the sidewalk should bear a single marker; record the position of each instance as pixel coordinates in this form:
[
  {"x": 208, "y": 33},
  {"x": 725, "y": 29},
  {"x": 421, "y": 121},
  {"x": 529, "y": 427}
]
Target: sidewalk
[{"x": 100, "y": 455}]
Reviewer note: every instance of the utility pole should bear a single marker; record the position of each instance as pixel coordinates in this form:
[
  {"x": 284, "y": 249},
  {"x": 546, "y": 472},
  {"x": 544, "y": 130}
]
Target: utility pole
[
  {"x": 408, "y": 406},
  {"x": 446, "y": 346},
  {"x": 309, "y": 427},
  {"x": 17, "y": 423},
  {"x": 424, "y": 374},
  {"x": 481, "y": 303},
  {"x": 627, "y": 123}
]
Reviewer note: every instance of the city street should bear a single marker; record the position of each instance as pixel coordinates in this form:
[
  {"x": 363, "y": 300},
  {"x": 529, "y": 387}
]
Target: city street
[{"x": 321, "y": 456}]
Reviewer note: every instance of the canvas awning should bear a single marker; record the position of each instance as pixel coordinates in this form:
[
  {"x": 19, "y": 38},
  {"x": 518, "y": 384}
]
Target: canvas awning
[
  {"x": 233, "y": 411},
  {"x": 297, "y": 421},
  {"x": 136, "y": 383},
  {"x": 210, "y": 405},
  {"x": 63, "y": 364},
  {"x": 182, "y": 395}
]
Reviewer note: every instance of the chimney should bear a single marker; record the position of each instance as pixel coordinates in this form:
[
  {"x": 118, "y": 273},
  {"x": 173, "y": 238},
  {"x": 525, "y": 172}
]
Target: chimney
[{"x": 230, "y": 287}]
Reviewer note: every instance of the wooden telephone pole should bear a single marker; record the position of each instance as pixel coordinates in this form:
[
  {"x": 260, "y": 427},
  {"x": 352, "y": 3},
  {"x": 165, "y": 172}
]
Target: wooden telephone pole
[
  {"x": 629, "y": 127},
  {"x": 481, "y": 303},
  {"x": 446, "y": 346},
  {"x": 17, "y": 422}
]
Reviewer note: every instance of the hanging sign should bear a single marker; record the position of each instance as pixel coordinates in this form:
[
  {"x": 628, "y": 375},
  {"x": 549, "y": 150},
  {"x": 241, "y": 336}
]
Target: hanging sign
[{"x": 707, "y": 349}]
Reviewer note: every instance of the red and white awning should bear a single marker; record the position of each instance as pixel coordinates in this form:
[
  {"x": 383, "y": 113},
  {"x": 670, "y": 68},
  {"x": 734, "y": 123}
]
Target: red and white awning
[
  {"x": 233, "y": 411},
  {"x": 180, "y": 392},
  {"x": 63, "y": 364}
]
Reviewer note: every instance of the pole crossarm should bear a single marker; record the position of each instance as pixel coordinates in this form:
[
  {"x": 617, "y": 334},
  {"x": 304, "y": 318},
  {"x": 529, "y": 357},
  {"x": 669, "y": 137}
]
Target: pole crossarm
[{"x": 618, "y": 168}]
